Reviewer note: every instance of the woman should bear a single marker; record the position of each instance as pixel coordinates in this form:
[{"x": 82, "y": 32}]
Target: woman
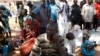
[
  {"x": 29, "y": 34},
  {"x": 29, "y": 30}
]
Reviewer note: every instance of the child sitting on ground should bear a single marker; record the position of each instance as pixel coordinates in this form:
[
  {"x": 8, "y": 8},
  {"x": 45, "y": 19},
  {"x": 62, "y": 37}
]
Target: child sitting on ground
[{"x": 70, "y": 43}]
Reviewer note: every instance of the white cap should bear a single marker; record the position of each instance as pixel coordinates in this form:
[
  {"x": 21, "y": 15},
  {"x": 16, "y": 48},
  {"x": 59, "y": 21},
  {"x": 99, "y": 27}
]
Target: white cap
[{"x": 76, "y": 27}]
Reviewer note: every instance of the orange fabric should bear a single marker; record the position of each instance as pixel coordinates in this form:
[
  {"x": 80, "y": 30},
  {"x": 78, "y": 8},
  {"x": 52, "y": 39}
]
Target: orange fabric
[{"x": 27, "y": 46}]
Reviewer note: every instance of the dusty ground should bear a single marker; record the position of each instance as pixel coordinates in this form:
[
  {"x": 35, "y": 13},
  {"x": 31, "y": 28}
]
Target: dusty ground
[{"x": 15, "y": 33}]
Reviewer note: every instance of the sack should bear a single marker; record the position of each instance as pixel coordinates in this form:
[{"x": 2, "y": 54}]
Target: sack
[{"x": 27, "y": 46}]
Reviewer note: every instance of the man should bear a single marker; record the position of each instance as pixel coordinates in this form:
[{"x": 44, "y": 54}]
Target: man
[
  {"x": 62, "y": 14},
  {"x": 88, "y": 13},
  {"x": 43, "y": 17},
  {"x": 76, "y": 14},
  {"x": 82, "y": 3},
  {"x": 49, "y": 44},
  {"x": 52, "y": 10}
]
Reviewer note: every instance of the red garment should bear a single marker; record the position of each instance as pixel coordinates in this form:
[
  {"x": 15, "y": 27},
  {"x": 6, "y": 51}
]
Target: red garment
[
  {"x": 35, "y": 29},
  {"x": 27, "y": 46},
  {"x": 97, "y": 9}
]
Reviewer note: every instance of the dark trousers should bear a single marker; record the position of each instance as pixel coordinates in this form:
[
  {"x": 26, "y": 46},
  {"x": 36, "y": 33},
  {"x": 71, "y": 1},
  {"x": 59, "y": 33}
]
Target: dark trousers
[
  {"x": 88, "y": 25},
  {"x": 77, "y": 20}
]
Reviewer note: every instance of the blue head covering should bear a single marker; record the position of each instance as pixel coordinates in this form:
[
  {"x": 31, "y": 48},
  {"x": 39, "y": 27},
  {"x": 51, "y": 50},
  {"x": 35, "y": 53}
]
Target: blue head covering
[{"x": 84, "y": 50}]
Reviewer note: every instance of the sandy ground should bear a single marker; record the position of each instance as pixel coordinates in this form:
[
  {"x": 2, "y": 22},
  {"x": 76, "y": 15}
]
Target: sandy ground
[{"x": 15, "y": 33}]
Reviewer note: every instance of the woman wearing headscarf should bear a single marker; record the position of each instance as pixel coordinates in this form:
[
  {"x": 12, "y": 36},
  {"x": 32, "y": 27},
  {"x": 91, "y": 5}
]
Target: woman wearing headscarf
[{"x": 29, "y": 35}]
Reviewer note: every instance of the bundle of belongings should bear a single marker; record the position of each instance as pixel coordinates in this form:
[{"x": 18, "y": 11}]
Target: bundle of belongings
[{"x": 3, "y": 43}]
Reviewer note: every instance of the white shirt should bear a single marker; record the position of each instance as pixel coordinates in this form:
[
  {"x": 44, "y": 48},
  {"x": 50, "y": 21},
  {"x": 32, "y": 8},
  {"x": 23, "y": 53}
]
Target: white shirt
[
  {"x": 70, "y": 45},
  {"x": 87, "y": 12}
]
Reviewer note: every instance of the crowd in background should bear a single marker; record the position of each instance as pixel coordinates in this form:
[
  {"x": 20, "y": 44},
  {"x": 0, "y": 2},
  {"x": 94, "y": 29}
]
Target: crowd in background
[{"x": 51, "y": 28}]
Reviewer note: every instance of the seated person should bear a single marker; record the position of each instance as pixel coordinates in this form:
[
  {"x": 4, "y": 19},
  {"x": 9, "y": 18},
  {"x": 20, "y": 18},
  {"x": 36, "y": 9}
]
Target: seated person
[
  {"x": 78, "y": 33},
  {"x": 70, "y": 44},
  {"x": 49, "y": 43},
  {"x": 30, "y": 29}
]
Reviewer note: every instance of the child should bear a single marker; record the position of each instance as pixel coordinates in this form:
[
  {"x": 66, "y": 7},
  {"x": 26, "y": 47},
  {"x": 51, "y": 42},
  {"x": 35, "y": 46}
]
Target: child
[{"x": 70, "y": 43}]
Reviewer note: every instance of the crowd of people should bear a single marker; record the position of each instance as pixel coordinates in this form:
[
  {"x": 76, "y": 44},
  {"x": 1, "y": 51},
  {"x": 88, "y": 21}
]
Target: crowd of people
[{"x": 46, "y": 29}]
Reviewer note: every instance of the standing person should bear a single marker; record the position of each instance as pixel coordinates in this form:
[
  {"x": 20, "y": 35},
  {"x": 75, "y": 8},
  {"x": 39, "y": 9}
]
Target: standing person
[
  {"x": 62, "y": 19},
  {"x": 52, "y": 11},
  {"x": 88, "y": 13},
  {"x": 97, "y": 15},
  {"x": 23, "y": 16},
  {"x": 49, "y": 44},
  {"x": 76, "y": 14},
  {"x": 43, "y": 17},
  {"x": 19, "y": 6},
  {"x": 5, "y": 14},
  {"x": 31, "y": 6},
  {"x": 82, "y": 3}
]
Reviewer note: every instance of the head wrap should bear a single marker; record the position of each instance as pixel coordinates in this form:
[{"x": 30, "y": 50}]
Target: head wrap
[{"x": 28, "y": 21}]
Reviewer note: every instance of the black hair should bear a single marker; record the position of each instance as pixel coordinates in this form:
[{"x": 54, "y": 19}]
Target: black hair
[
  {"x": 21, "y": 15},
  {"x": 70, "y": 36},
  {"x": 18, "y": 3},
  {"x": 29, "y": 3},
  {"x": 52, "y": 25}
]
